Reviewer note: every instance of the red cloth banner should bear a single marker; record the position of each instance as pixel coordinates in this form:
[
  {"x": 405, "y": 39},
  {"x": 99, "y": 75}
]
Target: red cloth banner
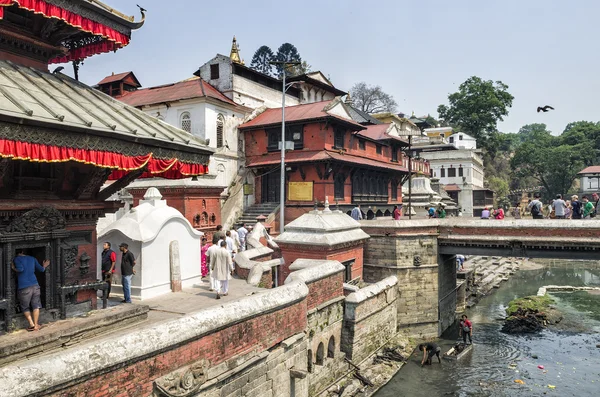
[
  {"x": 170, "y": 169},
  {"x": 115, "y": 39}
]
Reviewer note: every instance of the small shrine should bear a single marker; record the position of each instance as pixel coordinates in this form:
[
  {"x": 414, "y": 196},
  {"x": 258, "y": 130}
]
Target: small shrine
[
  {"x": 164, "y": 243},
  {"x": 326, "y": 235},
  {"x": 422, "y": 196}
]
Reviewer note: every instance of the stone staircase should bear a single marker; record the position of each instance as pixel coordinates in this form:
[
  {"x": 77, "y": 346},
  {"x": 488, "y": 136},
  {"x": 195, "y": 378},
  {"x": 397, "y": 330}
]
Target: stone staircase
[{"x": 249, "y": 216}]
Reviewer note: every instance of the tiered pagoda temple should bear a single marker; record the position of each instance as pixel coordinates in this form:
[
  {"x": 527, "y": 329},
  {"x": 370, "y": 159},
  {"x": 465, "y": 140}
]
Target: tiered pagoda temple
[{"x": 61, "y": 140}]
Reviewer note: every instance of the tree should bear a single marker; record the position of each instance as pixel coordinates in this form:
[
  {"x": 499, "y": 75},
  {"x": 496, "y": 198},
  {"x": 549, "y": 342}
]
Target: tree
[
  {"x": 372, "y": 99},
  {"x": 533, "y": 132},
  {"x": 296, "y": 70},
  {"x": 499, "y": 186},
  {"x": 286, "y": 53},
  {"x": 477, "y": 107},
  {"x": 552, "y": 164},
  {"x": 261, "y": 60},
  {"x": 583, "y": 132}
]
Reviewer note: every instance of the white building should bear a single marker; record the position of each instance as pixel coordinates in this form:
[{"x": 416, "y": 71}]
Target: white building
[
  {"x": 589, "y": 180},
  {"x": 455, "y": 160},
  {"x": 211, "y": 105},
  {"x": 153, "y": 230}
]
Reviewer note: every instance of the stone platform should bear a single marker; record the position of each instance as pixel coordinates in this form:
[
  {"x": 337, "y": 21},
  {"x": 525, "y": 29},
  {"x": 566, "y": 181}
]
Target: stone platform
[
  {"x": 64, "y": 333},
  {"x": 113, "y": 321}
]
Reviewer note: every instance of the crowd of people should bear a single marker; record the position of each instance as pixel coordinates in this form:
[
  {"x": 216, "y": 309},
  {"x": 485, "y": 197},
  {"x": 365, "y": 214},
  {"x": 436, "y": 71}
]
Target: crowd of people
[{"x": 217, "y": 258}]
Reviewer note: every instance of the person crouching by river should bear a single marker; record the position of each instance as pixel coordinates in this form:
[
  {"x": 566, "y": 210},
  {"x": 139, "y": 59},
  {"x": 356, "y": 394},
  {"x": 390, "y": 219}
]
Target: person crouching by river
[
  {"x": 465, "y": 329},
  {"x": 429, "y": 350}
]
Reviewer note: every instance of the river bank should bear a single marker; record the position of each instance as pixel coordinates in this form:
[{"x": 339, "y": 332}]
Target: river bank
[{"x": 570, "y": 359}]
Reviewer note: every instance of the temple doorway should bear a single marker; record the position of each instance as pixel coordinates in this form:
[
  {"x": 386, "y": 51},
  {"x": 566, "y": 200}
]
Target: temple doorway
[
  {"x": 40, "y": 253},
  {"x": 271, "y": 187}
]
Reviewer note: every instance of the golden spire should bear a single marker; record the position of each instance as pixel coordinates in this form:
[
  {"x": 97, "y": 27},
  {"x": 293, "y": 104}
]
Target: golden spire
[{"x": 235, "y": 52}]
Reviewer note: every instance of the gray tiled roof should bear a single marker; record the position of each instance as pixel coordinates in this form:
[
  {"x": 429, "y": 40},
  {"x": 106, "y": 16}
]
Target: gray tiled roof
[
  {"x": 361, "y": 117},
  {"x": 57, "y": 101}
]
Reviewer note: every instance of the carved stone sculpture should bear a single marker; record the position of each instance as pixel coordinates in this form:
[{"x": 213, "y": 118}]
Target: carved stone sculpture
[
  {"x": 70, "y": 257},
  {"x": 417, "y": 261},
  {"x": 182, "y": 383},
  {"x": 84, "y": 263},
  {"x": 39, "y": 220}
]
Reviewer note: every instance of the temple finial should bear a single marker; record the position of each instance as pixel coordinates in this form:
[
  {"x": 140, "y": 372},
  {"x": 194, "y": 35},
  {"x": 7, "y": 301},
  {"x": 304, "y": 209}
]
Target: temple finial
[
  {"x": 326, "y": 209},
  {"x": 235, "y": 52}
]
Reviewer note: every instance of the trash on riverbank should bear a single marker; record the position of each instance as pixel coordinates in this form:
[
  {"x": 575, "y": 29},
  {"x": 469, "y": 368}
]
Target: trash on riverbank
[
  {"x": 519, "y": 381},
  {"x": 540, "y": 366}
]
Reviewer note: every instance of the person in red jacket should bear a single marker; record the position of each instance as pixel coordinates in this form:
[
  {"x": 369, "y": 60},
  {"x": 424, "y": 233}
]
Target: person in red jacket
[
  {"x": 499, "y": 213},
  {"x": 466, "y": 329}
]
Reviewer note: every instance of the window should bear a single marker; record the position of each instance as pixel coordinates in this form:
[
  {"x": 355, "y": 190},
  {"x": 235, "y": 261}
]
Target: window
[
  {"x": 451, "y": 172},
  {"x": 451, "y": 139},
  {"x": 394, "y": 154},
  {"x": 460, "y": 137},
  {"x": 338, "y": 186},
  {"x": 339, "y": 135},
  {"x": 379, "y": 151},
  {"x": 186, "y": 122},
  {"x": 220, "y": 122},
  {"x": 348, "y": 269},
  {"x": 214, "y": 71},
  {"x": 361, "y": 144},
  {"x": 293, "y": 133},
  {"x": 460, "y": 171},
  {"x": 394, "y": 190},
  {"x": 442, "y": 173}
]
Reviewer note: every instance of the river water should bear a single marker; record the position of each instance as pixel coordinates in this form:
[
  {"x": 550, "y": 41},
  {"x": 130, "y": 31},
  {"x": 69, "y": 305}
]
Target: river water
[{"x": 570, "y": 358}]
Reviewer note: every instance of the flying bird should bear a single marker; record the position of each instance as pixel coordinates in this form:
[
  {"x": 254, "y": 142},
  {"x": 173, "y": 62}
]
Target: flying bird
[
  {"x": 58, "y": 69},
  {"x": 545, "y": 108},
  {"x": 142, "y": 9}
]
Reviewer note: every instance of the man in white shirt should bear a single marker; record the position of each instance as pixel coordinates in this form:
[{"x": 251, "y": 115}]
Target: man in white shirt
[
  {"x": 230, "y": 243},
  {"x": 216, "y": 242},
  {"x": 242, "y": 233},
  {"x": 559, "y": 207},
  {"x": 222, "y": 266},
  {"x": 236, "y": 240}
]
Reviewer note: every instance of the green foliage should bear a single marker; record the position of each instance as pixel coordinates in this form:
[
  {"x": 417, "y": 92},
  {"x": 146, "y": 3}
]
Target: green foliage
[
  {"x": 477, "y": 107},
  {"x": 286, "y": 53},
  {"x": 261, "y": 59},
  {"x": 539, "y": 303},
  {"x": 555, "y": 161},
  {"x": 498, "y": 185}
]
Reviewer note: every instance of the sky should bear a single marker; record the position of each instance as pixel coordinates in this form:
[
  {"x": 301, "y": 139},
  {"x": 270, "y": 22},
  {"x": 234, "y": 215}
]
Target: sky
[{"x": 417, "y": 51}]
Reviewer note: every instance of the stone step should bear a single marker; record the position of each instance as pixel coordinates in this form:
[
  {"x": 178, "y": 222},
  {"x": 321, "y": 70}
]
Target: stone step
[{"x": 57, "y": 335}]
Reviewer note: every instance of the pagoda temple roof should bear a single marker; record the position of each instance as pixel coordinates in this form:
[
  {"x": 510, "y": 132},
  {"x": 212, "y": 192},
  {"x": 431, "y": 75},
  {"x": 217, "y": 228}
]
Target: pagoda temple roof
[
  {"x": 72, "y": 114},
  {"x": 69, "y": 30}
]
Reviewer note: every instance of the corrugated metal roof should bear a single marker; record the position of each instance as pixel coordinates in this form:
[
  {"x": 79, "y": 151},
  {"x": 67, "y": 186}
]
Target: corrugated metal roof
[
  {"x": 59, "y": 102},
  {"x": 309, "y": 111},
  {"x": 594, "y": 169},
  {"x": 187, "y": 89},
  {"x": 292, "y": 157}
]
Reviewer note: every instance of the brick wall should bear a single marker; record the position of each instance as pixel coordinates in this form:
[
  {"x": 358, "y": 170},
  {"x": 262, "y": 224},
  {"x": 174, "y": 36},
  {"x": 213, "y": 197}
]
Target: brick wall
[
  {"x": 370, "y": 319},
  {"x": 191, "y": 202},
  {"x": 222, "y": 337},
  {"x": 325, "y": 289},
  {"x": 292, "y": 252}
]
